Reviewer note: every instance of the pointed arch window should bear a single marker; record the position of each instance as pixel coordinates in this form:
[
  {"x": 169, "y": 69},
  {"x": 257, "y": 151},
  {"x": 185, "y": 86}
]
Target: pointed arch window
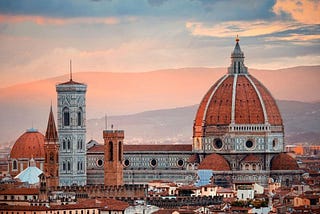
[
  {"x": 69, "y": 144},
  {"x": 66, "y": 117},
  {"x": 80, "y": 145},
  {"x": 64, "y": 145},
  {"x": 79, "y": 117},
  {"x": 69, "y": 166},
  {"x": 63, "y": 166}
]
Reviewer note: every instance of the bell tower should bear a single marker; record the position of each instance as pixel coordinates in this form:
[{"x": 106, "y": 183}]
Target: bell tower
[
  {"x": 51, "y": 148},
  {"x": 113, "y": 156},
  {"x": 72, "y": 132}
]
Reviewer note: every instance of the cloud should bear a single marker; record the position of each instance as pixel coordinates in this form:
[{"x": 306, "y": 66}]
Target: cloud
[
  {"x": 306, "y": 11},
  {"x": 243, "y": 28},
  {"x": 41, "y": 20},
  {"x": 295, "y": 37}
]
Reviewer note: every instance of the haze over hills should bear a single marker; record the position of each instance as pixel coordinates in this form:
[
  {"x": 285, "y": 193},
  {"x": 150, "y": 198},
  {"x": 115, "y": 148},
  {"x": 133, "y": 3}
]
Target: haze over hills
[
  {"x": 302, "y": 124},
  {"x": 26, "y": 105}
]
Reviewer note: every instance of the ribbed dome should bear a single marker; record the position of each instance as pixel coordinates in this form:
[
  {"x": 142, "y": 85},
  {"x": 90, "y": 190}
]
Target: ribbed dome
[
  {"x": 215, "y": 162},
  {"x": 284, "y": 161},
  {"x": 29, "y": 145},
  {"x": 237, "y": 98}
]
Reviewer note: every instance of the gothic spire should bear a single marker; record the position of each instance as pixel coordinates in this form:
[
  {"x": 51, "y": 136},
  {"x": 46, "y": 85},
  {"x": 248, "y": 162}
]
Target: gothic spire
[{"x": 51, "y": 133}]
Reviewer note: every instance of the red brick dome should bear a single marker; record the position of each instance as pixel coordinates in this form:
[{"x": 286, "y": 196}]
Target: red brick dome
[
  {"x": 284, "y": 161},
  {"x": 237, "y": 98},
  {"x": 29, "y": 145},
  {"x": 215, "y": 162}
]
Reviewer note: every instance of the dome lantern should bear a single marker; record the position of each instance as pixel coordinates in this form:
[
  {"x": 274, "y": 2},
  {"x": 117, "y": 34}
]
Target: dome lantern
[{"x": 237, "y": 60}]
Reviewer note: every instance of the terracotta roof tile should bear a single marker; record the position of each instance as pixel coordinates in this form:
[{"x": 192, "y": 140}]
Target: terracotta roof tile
[
  {"x": 251, "y": 159},
  {"x": 20, "y": 191},
  {"x": 215, "y": 162},
  {"x": 284, "y": 161},
  {"x": 29, "y": 145}
]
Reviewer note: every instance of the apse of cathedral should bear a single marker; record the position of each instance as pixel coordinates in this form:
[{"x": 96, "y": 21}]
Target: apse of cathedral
[{"x": 238, "y": 136}]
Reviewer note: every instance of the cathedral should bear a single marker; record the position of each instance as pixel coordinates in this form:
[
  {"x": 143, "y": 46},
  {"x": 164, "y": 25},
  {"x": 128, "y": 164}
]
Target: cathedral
[{"x": 238, "y": 136}]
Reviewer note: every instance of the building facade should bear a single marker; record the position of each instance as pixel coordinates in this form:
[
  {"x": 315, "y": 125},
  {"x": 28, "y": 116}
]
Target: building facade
[{"x": 72, "y": 132}]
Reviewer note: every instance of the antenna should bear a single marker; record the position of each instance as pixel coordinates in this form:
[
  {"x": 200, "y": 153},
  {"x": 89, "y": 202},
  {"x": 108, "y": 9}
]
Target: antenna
[
  {"x": 70, "y": 70},
  {"x": 105, "y": 121}
]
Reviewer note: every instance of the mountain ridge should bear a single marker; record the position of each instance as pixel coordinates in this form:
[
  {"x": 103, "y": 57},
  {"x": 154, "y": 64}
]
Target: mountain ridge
[{"x": 127, "y": 93}]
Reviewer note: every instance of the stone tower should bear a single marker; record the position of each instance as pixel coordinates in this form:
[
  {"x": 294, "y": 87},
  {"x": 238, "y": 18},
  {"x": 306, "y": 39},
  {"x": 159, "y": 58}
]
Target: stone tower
[
  {"x": 51, "y": 149},
  {"x": 113, "y": 155},
  {"x": 72, "y": 132}
]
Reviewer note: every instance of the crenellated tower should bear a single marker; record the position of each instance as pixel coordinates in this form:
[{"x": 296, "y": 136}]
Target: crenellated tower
[{"x": 113, "y": 157}]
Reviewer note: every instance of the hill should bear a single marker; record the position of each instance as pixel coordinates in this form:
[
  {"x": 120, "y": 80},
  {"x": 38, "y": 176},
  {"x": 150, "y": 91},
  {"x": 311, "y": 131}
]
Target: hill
[
  {"x": 26, "y": 105},
  {"x": 302, "y": 124}
]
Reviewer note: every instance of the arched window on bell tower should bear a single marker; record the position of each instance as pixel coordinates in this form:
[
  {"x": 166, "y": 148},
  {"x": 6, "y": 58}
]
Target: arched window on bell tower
[
  {"x": 110, "y": 151},
  {"x": 66, "y": 117},
  {"x": 79, "y": 117}
]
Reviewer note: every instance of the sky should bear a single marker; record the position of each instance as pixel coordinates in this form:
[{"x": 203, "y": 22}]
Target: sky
[{"x": 38, "y": 38}]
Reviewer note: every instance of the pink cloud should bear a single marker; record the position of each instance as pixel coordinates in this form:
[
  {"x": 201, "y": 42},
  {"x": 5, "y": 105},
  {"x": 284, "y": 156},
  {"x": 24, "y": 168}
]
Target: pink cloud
[
  {"x": 244, "y": 28},
  {"x": 306, "y": 11}
]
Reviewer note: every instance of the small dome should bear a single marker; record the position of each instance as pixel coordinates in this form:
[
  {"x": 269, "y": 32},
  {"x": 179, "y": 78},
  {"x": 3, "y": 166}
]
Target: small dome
[
  {"x": 215, "y": 162},
  {"x": 29, "y": 145},
  {"x": 284, "y": 161},
  {"x": 251, "y": 159}
]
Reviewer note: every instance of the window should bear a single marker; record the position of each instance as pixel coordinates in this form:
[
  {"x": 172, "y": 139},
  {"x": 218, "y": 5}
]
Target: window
[
  {"x": 99, "y": 162},
  {"x": 64, "y": 166},
  {"x": 79, "y": 119},
  {"x": 69, "y": 144},
  {"x": 218, "y": 143},
  {"x": 69, "y": 166},
  {"x": 80, "y": 145},
  {"x": 110, "y": 151},
  {"x": 66, "y": 117},
  {"x": 153, "y": 162},
  {"x": 254, "y": 167},
  {"x": 249, "y": 144},
  {"x": 64, "y": 145},
  {"x": 126, "y": 163},
  {"x": 120, "y": 155},
  {"x": 51, "y": 157},
  {"x": 14, "y": 165}
]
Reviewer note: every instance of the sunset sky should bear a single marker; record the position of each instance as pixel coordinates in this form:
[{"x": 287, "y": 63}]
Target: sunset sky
[{"x": 38, "y": 38}]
